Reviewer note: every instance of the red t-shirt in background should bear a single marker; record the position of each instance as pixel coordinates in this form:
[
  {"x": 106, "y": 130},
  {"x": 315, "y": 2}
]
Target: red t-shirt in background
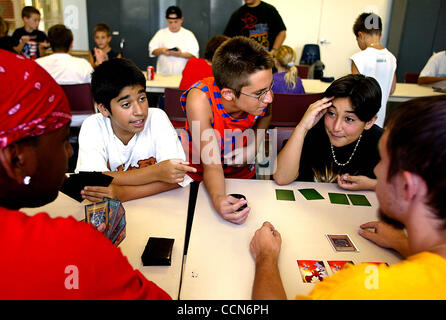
[
  {"x": 195, "y": 70},
  {"x": 45, "y": 258}
]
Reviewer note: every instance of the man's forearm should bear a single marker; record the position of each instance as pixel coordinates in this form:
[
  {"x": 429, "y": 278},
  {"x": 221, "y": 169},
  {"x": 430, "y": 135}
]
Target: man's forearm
[
  {"x": 214, "y": 180},
  {"x": 428, "y": 80},
  {"x": 135, "y": 177},
  {"x": 135, "y": 192},
  {"x": 267, "y": 282}
]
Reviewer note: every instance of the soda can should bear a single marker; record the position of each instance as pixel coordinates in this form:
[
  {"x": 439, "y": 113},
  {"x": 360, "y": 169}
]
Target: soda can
[{"x": 150, "y": 73}]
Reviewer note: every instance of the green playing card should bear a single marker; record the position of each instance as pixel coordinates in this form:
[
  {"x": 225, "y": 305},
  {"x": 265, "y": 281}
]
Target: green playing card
[
  {"x": 311, "y": 194},
  {"x": 359, "y": 200},
  {"x": 338, "y": 198},
  {"x": 285, "y": 195}
]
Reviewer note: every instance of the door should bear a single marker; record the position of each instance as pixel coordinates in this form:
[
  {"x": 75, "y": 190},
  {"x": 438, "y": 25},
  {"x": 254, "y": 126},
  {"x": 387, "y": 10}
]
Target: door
[{"x": 336, "y": 39}]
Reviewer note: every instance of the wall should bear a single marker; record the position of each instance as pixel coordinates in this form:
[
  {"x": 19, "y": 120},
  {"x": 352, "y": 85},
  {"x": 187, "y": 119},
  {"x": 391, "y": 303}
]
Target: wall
[{"x": 75, "y": 18}]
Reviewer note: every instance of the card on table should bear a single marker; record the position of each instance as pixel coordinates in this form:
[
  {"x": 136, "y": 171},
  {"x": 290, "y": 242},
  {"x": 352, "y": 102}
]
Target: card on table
[
  {"x": 341, "y": 243},
  {"x": 336, "y": 265},
  {"x": 282, "y": 194},
  {"x": 311, "y": 194},
  {"x": 312, "y": 270},
  {"x": 338, "y": 198},
  {"x": 359, "y": 200}
]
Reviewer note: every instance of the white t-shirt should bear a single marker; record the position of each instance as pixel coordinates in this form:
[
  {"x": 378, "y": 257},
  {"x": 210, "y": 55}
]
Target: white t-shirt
[
  {"x": 381, "y": 65},
  {"x": 101, "y": 150},
  {"x": 435, "y": 67},
  {"x": 164, "y": 38},
  {"x": 66, "y": 69}
]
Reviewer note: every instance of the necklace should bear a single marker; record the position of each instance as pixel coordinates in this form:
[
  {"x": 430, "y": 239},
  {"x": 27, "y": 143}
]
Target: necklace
[{"x": 351, "y": 156}]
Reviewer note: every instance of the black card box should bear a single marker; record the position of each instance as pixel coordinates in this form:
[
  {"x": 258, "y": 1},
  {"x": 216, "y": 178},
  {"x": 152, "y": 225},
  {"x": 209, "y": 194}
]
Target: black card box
[{"x": 158, "y": 252}]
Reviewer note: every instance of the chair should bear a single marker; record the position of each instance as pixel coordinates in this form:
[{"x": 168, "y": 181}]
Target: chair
[
  {"x": 81, "y": 102},
  {"x": 288, "y": 109},
  {"x": 302, "y": 71},
  {"x": 310, "y": 54},
  {"x": 411, "y": 77},
  {"x": 282, "y": 134},
  {"x": 173, "y": 108}
]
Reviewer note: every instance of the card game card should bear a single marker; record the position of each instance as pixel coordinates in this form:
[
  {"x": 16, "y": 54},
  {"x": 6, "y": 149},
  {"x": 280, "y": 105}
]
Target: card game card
[
  {"x": 338, "y": 198},
  {"x": 359, "y": 200},
  {"x": 311, "y": 194},
  {"x": 341, "y": 243},
  {"x": 312, "y": 270},
  {"x": 336, "y": 265},
  {"x": 287, "y": 195},
  {"x": 74, "y": 184},
  {"x": 97, "y": 215}
]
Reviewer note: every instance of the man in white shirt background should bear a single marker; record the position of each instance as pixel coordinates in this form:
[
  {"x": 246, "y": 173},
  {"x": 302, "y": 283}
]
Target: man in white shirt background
[
  {"x": 434, "y": 72},
  {"x": 173, "y": 45},
  {"x": 62, "y": 66}
]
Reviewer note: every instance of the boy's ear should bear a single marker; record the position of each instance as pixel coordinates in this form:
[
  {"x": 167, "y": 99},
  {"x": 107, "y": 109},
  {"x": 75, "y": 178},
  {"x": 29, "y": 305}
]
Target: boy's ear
[
  {"x": 227, "y": 94},
  {"x": 103, "y": 110},
  {"x": 370, "y": 123}
]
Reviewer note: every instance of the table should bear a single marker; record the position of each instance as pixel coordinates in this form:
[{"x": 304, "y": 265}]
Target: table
[
  {"x": 162, "y": 215},
  {"x": 403, "y": 91},
  {"x": 160, "y": 82},
  {"x": 219, "y": 265}
]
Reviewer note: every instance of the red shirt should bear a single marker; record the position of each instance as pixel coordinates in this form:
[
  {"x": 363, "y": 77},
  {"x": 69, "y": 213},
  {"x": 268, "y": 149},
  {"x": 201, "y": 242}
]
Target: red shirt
[
  {"x": 45, "y": 258},
  {"x": 195, "y": 70},
  {"x": 221, "y": 121}
]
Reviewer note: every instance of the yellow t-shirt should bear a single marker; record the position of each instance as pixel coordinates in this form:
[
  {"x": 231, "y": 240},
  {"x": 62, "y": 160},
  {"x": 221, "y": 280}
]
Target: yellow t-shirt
[{"x": 421, "y": 276}]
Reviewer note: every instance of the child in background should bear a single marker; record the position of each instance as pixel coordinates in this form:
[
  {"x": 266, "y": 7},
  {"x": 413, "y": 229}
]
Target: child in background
[
  {"x": 102, "y": 52},
  {"x": 127, "y": 140},
  {"x": 29, "y": 41},
  {"x": 286, "y": 79},
  {"x": 374, "y": 60}
]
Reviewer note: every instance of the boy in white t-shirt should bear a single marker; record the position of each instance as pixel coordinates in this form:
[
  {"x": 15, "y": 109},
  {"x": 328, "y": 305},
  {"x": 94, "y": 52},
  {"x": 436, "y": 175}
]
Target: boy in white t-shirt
[
  {"x": 374, "y": 60},
  {"x": 127, "y": 140},
  {"x": 434, "y": 72}
]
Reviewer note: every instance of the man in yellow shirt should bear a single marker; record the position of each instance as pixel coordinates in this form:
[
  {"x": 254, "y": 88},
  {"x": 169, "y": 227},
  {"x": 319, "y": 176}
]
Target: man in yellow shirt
[{"x": 410, "y": 189}]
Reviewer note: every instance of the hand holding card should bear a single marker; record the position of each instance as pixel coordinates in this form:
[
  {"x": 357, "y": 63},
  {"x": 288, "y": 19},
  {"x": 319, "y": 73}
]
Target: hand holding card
[{"x": 75, "y": 183}]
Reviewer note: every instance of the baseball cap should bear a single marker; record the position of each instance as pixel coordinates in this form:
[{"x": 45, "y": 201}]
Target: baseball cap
[{"x": 173, "y": 10}]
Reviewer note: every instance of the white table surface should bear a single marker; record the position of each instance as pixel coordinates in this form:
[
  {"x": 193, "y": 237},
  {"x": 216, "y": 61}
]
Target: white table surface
[
  {"x": 219, "y": 264},
  {"x": 163, "y": 215},
  {"x": 403, "y": 91}
]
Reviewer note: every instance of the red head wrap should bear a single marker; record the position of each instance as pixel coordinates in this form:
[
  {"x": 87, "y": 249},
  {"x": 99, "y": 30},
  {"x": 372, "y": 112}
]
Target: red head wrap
[{"x": 31, "y": 102}]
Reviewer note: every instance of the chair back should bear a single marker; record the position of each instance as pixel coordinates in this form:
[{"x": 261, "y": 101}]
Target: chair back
[
  {"x": 173, "y": 108},
  {"x": 288, "y": 109},
  {"x": 302, "y": 71},
  {"x": 283, "y": 133},
  {"x": 411, "y": 77},
  {"x": 310, "y": 54},
  {"x": 80, "y": 98}
]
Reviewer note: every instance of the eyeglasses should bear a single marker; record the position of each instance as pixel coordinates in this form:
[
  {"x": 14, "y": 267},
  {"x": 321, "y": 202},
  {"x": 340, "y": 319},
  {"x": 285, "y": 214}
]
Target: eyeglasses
[{"x": 261, "y": 96}]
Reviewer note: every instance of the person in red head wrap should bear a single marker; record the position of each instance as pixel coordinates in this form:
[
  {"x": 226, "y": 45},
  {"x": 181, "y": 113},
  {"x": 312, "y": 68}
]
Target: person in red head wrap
[{"x": 37, "y": 251}]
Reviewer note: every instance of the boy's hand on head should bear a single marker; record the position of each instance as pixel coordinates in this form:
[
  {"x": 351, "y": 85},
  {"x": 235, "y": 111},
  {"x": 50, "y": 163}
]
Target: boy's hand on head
[
  {"x": 314, "y": 113},
  {"x": 227, "y": 207},
  {"x": 96, "y": 193},
  {"x": 99, "y": 55},
  {"x": 173, "y": 170}
]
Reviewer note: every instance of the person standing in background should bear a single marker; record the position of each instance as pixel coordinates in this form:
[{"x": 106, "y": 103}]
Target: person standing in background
[
  {"x": 374, "y": 60},
  {"x": 260, "y": 21},
  {"x": 173, "y": 45}
]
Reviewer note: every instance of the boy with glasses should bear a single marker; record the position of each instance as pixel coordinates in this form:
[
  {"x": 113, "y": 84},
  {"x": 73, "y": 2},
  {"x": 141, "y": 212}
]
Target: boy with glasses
[{"x": 224, "y": 115}]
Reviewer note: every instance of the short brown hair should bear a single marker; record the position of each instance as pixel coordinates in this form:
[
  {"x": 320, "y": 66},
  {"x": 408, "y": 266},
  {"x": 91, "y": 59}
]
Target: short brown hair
[
  {"x": 60, "y": 38},
  {"x": 417, "y": 143},
  {"x": 236, "y": 59},
  {"x": 212, "y": 46},
  {"x": 369, "y": 23},
  {"x": 102, "y": 27},
  {"x": 28, "y": 11}
]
